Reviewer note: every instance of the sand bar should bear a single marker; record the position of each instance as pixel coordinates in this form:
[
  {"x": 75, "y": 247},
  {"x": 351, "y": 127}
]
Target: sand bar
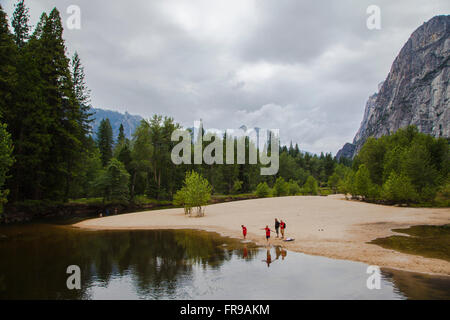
[{"x": 347, "y": 227}]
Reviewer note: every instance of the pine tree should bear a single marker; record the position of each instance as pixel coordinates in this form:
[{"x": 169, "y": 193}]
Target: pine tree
[
  {"x": 30, "y": 124},
  {"x": 65, "y": 120},
  {"x": 20, "y": 24},
  {"x": 113, "y": 182},
  {"x": 105, "y": 141},
  {"x": 8, "y": 75},
  {"x": 39, "y": 27},
  {"x": 121, "y": 137},
  {"x": 82, "y": 93}
]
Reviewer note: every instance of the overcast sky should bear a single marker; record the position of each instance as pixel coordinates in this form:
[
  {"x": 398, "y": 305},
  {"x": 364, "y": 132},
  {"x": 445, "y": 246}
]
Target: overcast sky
[{"x": 304, "y": 67}]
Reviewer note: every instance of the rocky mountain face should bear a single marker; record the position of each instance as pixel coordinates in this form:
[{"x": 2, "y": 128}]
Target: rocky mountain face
[
  {"x": 416, "y": 91},
  {"x": 130, "y": 122}
]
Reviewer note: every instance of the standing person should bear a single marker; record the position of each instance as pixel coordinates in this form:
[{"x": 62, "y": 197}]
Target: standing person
[
  {"x": 244, "y": 231},
  {"x": 267, "y": 229},
  {"x": 282, "y": 227},
  {"x": 277, "y": 226}
]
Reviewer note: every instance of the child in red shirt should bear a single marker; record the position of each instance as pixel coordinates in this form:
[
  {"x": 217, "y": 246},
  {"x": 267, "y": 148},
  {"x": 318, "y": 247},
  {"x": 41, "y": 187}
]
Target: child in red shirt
[
  {"x": 267, "y": 229},
  {"x": 244, "y": 231}
]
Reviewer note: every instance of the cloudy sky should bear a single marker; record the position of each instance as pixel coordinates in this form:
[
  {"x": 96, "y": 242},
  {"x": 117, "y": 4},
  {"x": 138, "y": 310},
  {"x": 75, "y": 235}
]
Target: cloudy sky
[{"x": 304, "y": 67}]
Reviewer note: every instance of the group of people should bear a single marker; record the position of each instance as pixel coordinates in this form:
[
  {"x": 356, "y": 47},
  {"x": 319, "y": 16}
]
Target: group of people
[
  {"x": 107, "y": 213},
  {"x": 279, "y": 226}
]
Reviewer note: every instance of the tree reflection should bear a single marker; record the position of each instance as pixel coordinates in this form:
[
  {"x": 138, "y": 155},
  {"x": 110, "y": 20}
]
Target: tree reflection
[{"x": 34, "y": 265}]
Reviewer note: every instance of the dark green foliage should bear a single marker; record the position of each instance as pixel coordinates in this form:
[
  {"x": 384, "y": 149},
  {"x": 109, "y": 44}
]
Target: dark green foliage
[
  {"x": 65, "y": 120},
  {"x": 82, "y": 93},
  {"x": 8, "y": 57},
  {"x": 47, "y": 124},
  {"x": 121, "y": 138},
  {"x": 105, "y": 141},
  {"x": 20, "y": 24},
  {"x": 6, "y": 160},
  {"x": 113, "y": 181}
]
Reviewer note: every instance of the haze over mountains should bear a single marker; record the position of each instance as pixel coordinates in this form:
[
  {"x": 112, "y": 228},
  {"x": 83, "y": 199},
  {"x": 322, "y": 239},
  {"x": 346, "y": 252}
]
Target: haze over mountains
[
  {"x": 416, "y": 91},
  {"x": 130, "y": 122}
]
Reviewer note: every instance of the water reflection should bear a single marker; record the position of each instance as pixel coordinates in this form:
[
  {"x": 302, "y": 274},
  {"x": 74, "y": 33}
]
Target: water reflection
[
  {"x": 268, "y": 259},
  {"x": 279, "y": 252},
  {"x": 419, "y": 286},
  {"x": 34, "y": 260},
  {"x": 184, "y": 264}
]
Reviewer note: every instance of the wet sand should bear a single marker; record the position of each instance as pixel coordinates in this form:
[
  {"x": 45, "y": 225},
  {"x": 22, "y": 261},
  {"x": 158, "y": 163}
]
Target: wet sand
[{"x": 347, "y": 227}]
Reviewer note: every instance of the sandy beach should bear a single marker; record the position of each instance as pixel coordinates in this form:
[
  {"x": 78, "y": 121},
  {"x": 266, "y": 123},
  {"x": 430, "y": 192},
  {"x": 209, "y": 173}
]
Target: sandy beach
[{"x": 347, "y": 227}]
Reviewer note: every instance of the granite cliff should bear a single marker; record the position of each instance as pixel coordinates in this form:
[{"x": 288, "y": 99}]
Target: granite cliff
[{"x": 416, "y": 91}]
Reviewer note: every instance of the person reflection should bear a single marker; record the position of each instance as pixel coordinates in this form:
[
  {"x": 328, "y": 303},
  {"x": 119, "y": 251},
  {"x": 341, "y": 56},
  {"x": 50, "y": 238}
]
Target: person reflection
[
  {"x": 277, "y": 252},
  {"x": 245, "y": 253},
  {"x": 280, "y": 252},
  {"x": 268, "y": 259},
  {"x": 283, "y": 254}
]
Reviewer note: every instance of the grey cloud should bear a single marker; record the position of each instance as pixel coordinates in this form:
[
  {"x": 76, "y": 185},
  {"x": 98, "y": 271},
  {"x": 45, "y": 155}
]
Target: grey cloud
[{"x": 304, "y": 67}]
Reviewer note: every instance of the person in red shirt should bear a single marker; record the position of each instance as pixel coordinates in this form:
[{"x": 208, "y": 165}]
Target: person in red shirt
[
  {"x": 282, "y": 228},
  {"x": 244, "y": 231},
  {"x": 267, "y": 229}
]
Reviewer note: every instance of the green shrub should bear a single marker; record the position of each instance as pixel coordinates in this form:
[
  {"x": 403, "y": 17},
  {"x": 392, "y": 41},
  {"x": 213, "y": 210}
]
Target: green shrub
[
  {"x": 399, "y": 188},
  {"x": 263, "y": 190},
  {"x": 294, "y": 188},
  {"x": 333, "y": 182},
  {"x": 237, "y": 187},
  {"x": 363, "y": 184},
  {"x": 311, "y": 186},
  {"x": 325, "y": 191},
  {"x": 281, "y": 187}
]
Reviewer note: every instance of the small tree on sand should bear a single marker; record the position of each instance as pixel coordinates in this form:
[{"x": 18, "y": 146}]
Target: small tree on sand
[
  {"x": 195, "y": 193},
  {"x": 180, "y": 199}
]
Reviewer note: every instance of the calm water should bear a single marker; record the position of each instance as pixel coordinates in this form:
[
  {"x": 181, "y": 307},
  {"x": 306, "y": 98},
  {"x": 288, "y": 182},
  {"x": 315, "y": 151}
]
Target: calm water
[{"x": 184, "y": 264}]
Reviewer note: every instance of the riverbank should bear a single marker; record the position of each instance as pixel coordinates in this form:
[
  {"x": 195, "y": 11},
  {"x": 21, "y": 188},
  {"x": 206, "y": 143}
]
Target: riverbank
[
  {"x": 326, "y": 226},
  {"x": 32, "y": 211}
]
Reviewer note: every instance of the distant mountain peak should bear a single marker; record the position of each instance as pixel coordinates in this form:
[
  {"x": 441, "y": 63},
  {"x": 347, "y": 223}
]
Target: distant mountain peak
[{"x": 116, "y": 118}]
